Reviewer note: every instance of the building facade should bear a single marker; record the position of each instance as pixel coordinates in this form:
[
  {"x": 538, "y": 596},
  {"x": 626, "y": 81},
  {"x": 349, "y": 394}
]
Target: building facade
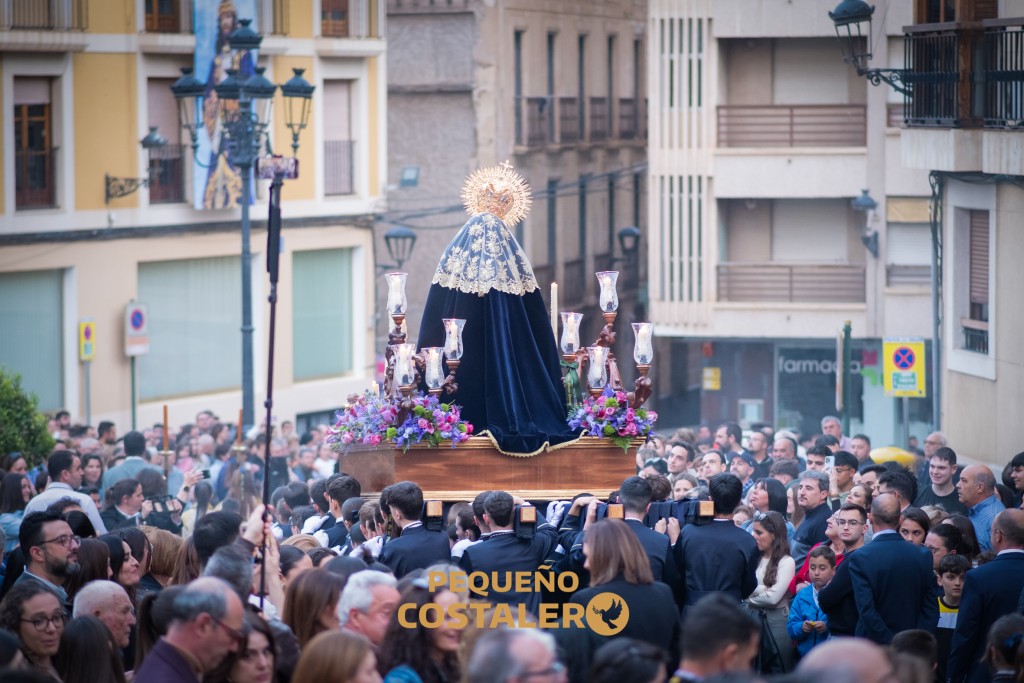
[
  {"x": 81, "y": 81},
  {"x": 760, "y": 138},
  {"x": 968, "y": 137},
  {"x": 555, "y": 89}
]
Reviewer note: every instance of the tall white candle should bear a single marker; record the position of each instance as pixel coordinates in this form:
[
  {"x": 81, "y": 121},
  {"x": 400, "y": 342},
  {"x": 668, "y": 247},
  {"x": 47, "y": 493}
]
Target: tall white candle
[{"x": 554, "y": 310}]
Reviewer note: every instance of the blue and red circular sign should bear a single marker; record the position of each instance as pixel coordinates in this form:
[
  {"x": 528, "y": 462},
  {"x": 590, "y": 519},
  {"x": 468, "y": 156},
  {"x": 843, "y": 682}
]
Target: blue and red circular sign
[
  {"x": 137, "y": 319},
  {"x": 903, "y": 358}
]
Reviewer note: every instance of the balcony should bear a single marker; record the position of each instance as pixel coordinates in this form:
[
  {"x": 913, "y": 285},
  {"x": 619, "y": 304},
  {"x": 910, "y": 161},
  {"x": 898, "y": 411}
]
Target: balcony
[
  {"x": 599, "y": 119},
  {"x": 352, "y": 18},
  {"x": 628, "y": 115},
  {"x": 35, "y": 179},
  {"x": 569, "y": 120},
  {"x": 975, "y": 335},
  {"x": 43, "y": 15},
  {"x": 167, "y": 175},
  {"x": 338, "y": 162},
  {"x": 792, "y": 126},
  {"x": 961, "y": 75},
  {"x": 539, "y": 130},
  {"x": 791, "y": 283}
]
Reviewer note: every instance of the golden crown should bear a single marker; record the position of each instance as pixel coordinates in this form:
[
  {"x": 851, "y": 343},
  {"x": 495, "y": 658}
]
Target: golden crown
[{"x": 499, "y": 190}]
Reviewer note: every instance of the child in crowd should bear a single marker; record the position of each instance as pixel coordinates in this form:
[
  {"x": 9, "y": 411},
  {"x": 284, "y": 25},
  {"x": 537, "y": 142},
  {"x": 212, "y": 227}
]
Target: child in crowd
[
  {"x": 807, "y": 624},
  {"x": 950, "y": 576}
]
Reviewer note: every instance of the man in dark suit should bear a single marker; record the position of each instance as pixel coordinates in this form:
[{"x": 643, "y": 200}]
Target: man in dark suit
[
  {"x": 892, "y": 579},
  {"x": 836, "y": 597},
  {"x": 207, "y": 621},
  {"x": 417, "y": 547},
  {"x": 990, "y": 591},
  {"x": 505, "y": 554},
  {"x": 718, "y": 557},
  {"x": 635, "y": 495}
]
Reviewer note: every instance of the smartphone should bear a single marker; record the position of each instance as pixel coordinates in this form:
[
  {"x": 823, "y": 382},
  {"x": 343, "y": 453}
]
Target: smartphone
[
  {"x": 830, "y": 462},
  {"x": 205, "y": 473}
]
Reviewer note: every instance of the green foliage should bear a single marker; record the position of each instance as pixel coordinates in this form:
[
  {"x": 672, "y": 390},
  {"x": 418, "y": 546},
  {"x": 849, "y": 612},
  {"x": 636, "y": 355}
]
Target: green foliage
[{"x": 22, "y": 426}]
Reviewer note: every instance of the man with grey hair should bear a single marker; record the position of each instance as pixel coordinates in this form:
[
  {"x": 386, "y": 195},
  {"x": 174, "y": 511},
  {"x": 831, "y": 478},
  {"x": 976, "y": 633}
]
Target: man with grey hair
[
  {"x": 515, "y": 656},
  {"x": 207, "y": 624},
  {"x": 812, "y": 497},
  {"x": 367, "y": 604},
  {"x": 977, "y": 489},
  {"x": 831, "y": 426},
  {"x": 108, "y": 602}
]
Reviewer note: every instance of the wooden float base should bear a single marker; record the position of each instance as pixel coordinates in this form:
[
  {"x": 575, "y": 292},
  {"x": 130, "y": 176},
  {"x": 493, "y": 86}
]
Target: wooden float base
[{"x": 591, "y": 465}]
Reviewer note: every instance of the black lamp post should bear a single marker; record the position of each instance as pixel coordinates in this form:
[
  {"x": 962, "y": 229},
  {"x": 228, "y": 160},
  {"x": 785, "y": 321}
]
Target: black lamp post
[
  {"x": 245, "y": 126},
  {"x": 852, "y": 19}
]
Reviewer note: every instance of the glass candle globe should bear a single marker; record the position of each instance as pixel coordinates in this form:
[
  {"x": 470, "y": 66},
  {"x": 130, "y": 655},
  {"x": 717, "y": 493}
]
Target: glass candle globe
[
  {"x": 609, "y": 298},
  {"x": 571, "y": 332}
]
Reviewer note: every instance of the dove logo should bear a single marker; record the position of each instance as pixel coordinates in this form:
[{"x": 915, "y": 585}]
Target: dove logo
[{"x": 607, "y": 614}]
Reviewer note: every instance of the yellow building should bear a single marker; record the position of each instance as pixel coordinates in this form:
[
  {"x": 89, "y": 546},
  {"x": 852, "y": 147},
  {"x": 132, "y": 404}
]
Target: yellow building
[{"x": 81, "y": 81}]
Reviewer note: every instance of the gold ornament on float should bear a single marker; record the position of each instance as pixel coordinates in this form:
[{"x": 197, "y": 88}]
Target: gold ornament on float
[{"x": 499, "y": 190}]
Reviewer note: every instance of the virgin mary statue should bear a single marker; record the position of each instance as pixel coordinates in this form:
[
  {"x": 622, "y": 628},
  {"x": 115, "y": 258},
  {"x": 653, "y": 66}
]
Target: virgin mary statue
[{"x": 509, "y": 381}]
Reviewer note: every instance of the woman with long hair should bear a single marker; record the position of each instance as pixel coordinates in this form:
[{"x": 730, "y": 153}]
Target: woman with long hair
[
  {"x": 914, "y": 525},
  {"x": 81, "y": 659},
  {"x": 187, "y": 567},
  {"x": 311, "y": 604},
  {"x": 860, "y": 494},
  {"x": 241, "y": 488},
  {"x": 93, "y": 565},
  {"x": 769, "y": 600},
  {"x": 92, "y": 472},
  {"x": 33, "y": 612},
  {"x": 13, "y": 463},
  {"x": 969, "y": 543},
  {"x": 769, "y": 495},
  {"x": 124, "y": 504},
  {"x": 123, "y": 565},
  {"x": 202, "y": 494},
  {"x": 158, "y": 510},
  {"x": 15, "y": 493},
  {"x": 154, "y": 616},
  {"x": 163, "y": 559},
  {"x": 618, "y": 564},
  {"x": 253, "y": 662},
  {"x": 1004, "y": 651},
  {"x": 420, "y": 654},
  {"x": 292, "y": 563},
  {"x": 337, "y": 656},
  {"x": 142, "y": 550}
]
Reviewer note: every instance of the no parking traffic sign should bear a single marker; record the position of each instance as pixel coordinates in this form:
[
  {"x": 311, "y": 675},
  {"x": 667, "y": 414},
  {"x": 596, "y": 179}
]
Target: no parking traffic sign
[
  {"x": 903, "y": 367},
  {"x": 136, "y": 329}
]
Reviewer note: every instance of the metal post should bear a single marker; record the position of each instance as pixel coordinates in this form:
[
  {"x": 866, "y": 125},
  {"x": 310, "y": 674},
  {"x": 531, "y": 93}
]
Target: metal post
[
  {"x": 133, "y": 392},
  {"x": 248, "y": 392},
  {"x": 847, "y": 379},
  {"x": 88, "y": 394},
  {"x": 936, "y": 181},
  {"x": 906, "y": 422}
]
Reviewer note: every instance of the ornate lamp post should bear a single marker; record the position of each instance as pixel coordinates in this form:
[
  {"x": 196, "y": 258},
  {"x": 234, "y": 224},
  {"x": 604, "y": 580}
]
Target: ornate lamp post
[{"x": 245, "y": 125}]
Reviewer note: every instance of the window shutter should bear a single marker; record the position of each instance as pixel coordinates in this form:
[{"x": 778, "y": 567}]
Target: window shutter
[{"x": 979, "y": 257}]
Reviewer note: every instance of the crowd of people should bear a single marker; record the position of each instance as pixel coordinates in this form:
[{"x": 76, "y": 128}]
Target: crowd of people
[{"x": 124, "y": 560}]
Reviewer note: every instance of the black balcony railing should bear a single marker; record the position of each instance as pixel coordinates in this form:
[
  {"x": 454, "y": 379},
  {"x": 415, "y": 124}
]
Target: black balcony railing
[
  {"x": 932, "y": 57},
  {"x": 338, "y": 161},
  {"x": 975, "y": 335},
  {"x": 627, "y": 118},
  {"x": 43, "y": 15},
  {"x": 1001, "y": 85},
  {"x": 538, "y": 121},
  {"x": 167, "y": 175},
  {"x": 569, "y": 120},
  {"x": 35, "y": 178},
  {"x": 599, "y": 119}
]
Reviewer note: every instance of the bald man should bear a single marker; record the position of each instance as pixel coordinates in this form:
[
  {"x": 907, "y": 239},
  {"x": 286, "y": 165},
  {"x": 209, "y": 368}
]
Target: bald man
[
  {"x": 990, "y": 591},
  {"x": 108, "y": 602},
  {"x": 892, "y": 579},
  {"x": 977, "y": 490},
  {"x": 848, "y": 659}
]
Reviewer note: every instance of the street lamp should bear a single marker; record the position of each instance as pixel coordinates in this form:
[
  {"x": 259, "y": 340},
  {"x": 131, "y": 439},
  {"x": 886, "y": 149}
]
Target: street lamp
[
  {"x": 244, "y": 126},
  {"x": 122, "y": 187},
  {"x": 852, "y": 19},
  {"x": 866, "y": 205},
  {"x": 400, "y": 242}
]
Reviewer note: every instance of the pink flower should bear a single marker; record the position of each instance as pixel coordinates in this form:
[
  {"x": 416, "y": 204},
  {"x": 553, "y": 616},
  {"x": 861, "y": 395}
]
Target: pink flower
[
  {"x": 422, "y": 423},
  {"x": 620, "y": 396},
  {"x": 346, "y": 437},
  {"x": 630, "y": 414},
  {"x": 374, "y": 439}
]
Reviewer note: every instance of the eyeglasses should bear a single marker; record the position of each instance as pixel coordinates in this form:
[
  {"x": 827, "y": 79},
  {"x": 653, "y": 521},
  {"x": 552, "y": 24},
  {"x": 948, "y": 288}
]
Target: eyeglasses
[
  {"x": 233, "y": 632},
  {"x": 555, "y": 669},
  {"x": 848, "y": 522},
  {"x": 844, "y": 468},
  {"x": 56, "y": 620},
  {"x": 66, "y": 540}
]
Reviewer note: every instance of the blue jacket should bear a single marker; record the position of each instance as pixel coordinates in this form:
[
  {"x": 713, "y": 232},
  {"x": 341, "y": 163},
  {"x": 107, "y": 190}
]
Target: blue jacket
[{"x": 804, "y": 608}]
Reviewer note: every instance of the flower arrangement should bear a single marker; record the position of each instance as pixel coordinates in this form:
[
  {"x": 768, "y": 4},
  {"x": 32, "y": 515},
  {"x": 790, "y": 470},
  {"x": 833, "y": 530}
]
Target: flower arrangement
[
  {"x": 609, "y": 416},
  {"x": 371, "y": 419}
]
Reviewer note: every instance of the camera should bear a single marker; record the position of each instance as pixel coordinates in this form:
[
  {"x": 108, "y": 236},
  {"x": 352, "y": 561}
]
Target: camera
[
  {"x": 205, "y": 473},
  {"x": 686, "y": 511},
  {"x": 610, "y": 511},
  {"x": 433, "y": 515}
]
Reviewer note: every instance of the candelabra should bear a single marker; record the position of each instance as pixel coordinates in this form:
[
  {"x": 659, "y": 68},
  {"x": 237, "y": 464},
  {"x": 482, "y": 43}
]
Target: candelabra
[{"x": 602, "y": 366}]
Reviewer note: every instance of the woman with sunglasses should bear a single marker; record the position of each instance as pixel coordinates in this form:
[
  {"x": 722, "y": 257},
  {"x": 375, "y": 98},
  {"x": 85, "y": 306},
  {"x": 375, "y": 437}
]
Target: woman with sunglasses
[
  {"x": 770, "y": 600},
  {"x": 33, "y": 612}
]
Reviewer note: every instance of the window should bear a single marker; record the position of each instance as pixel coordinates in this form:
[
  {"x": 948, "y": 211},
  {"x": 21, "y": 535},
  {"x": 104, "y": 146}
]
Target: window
[
  {"x": 31, "y": 309},
  {"x": 34, "y": 153},
  {"x": 167, "y": 164},
  {"x": 909, "y": 259},
  {"x": 334, "y": 18},
  {"x": 338, "y": 144},
  {"x": 551, "y": 86},
  {"x": 195, "y": 313},
  {"x": 322, "y": 313},
  {"x": 975, "y": 324},
  {"x": 162, "y": 16},
  {"x": 517, "y": 61}
]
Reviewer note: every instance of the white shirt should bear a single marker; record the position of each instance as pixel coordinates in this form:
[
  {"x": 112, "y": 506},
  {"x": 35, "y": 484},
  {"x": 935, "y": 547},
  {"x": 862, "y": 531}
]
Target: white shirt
[
  {"x": 772, "y": 596},
  {"x": 56, "y": 490}
]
